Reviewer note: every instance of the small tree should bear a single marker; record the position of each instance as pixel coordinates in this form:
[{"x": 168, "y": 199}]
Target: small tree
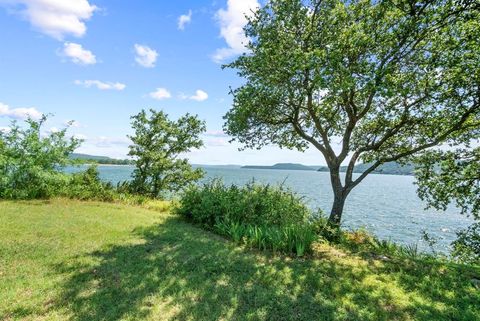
[
  {"x": 30, "y": 160},
  {"x": 157, "y": 146},
  {"x": 387, "y": 79}
]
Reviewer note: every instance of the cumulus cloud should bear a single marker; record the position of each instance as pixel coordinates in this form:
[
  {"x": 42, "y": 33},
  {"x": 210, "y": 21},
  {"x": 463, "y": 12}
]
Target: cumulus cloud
[
  {"x": 200, "y": 95},
  {"x": 160, "y": 94},
  {"x": 55, "y": 18},
  {"x": 232, "y": 20},
  {"x": 19, "y": 113},
  {"x": 78, "y": 54},
  {"x": 216, "y": 133},
  {"x": 145, "y": 56},
  {"x": 184, "y": 19},
  {"x": 100, "y": 84}
]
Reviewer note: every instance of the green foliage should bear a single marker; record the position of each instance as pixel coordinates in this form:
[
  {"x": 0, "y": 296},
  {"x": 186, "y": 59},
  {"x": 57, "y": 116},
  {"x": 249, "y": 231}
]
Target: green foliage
[
  {"x": 30, "y": 160},
  {"x": 260, "y": 216},
  {"x": 391, "y": 78},
  {"x": 466, "y": 248},
  {"x": 157, "y": 146},
  {"x": 254, "y": 204},
  {"x": 446, "y": 177},
  {"x": 87, "y": 185},
  {"x": 294, "y": 239},
  {"x": 453, "y": 177}
]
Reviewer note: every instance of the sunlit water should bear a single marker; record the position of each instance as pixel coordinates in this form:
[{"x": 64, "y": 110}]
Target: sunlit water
[{"x": 386, "y": 205}]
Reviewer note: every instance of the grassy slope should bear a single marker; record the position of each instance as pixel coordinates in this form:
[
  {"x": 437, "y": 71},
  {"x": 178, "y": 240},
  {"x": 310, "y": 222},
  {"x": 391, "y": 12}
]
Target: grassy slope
[{"x": 92, "y": 261}]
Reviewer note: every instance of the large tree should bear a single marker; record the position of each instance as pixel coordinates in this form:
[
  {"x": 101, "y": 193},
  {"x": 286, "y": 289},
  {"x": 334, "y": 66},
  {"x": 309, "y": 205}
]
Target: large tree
[
  {"x": 386, "y": 79},
  {"x": 157, "y": 146}
]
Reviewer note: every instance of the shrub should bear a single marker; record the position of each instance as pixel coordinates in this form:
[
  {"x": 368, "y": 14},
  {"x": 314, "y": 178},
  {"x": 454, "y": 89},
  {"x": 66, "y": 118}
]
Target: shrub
[
  {"x": 87, "y": 185},
  {"x": 259, "y": 216},
  {"x": 252, "y": 204},
  {"x": 30, "y": 160},
  {"x": 466, "y": 248}
]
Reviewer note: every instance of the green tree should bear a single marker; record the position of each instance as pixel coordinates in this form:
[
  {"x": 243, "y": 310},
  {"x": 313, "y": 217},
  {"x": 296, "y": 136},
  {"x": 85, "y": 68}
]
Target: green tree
[
  {"x": 158, "y": 144},
  {"x": 387, "y": 79},
  {"x": 31, "y": 159}
]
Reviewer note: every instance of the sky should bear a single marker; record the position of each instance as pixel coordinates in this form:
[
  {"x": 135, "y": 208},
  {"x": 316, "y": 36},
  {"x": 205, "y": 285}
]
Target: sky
[{"x": 98, "y": 62}]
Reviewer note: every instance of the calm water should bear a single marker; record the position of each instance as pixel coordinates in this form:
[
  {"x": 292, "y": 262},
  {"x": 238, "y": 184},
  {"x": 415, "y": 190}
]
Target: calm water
[{"x": 386, "y": 205}]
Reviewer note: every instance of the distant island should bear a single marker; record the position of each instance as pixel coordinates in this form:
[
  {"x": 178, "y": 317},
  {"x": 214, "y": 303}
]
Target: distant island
[
  {"x": 102, "y": 160},
  {"x": 284, "y": 166},
  {"x": 391, "y": 168}
]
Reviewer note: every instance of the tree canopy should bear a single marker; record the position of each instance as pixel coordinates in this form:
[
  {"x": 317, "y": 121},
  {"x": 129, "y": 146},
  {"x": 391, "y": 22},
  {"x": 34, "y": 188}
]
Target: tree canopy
[
  {"x": 30, "y": 159},
  {"x": 388, "y": 80},
  {"x": 157, "y": 146}
]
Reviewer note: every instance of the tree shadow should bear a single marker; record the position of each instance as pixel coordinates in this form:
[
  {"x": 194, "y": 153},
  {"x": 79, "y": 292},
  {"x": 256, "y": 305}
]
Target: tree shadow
[{"x": 180, "y": 272}]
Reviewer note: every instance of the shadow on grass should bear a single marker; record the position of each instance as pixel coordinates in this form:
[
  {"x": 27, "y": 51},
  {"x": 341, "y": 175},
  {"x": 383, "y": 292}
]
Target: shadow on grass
[{"x": 181, "y": 272}]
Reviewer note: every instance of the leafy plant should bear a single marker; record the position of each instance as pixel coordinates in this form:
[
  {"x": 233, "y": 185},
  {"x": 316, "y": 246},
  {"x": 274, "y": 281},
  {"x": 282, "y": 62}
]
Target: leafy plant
[
  {"x": 31, "y": 159},
  {"x": 157, "y": 146},
  {"x": 254, "y": 204},
  {"x": 466, "y": 248}
]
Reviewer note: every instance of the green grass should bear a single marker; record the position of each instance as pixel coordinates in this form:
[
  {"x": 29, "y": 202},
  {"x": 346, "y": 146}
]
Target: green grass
[{"x": 69, "y": 260}]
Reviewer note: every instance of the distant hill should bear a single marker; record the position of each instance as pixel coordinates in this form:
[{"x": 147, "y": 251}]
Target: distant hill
[
  {"x": 284, "y": 166},
  {"x": 391, "y": 168},
  {"x": 85, "y": 158}
]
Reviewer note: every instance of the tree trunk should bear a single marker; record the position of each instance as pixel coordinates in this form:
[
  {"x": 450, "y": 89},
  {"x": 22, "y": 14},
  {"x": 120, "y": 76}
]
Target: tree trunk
[
  {"x": 339, "y": 195},
  {"x": 337, "y": 209}
]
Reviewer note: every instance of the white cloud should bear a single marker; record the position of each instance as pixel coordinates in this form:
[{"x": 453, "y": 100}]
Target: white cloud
[
  {"x": 80, "y": 136},
  {"x": 160, "y": 93},
  {"x": 184, "y": 19},
  {"x": 77, "y": 54},
  {"x": 19, "y": 113},
  {"x": 4, "y": 129},
  {"x": 216, "y": 133},
  {"x": 145, "y": 56},
  {"x": 101, "y": 85},
  {"x": 200, "y": 95},
  {"x": 232, "y": 20},
  {"x": 55, "y": 18}
]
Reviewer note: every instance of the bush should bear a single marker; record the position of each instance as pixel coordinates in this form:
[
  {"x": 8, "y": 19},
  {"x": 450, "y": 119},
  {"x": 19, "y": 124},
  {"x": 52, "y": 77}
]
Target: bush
[
  {"x": 252, "y": 204},
  {"x": 259, "y": 216},
  {"x": 466, "y": 248},
  {"x": 88, "y": 186}
]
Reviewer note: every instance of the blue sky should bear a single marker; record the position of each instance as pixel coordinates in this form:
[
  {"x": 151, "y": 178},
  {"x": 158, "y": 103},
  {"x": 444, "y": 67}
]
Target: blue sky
[{"x": 98, "y": 62}]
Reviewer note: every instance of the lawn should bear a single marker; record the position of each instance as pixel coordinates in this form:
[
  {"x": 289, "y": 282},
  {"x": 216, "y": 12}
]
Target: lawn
[{"x": 70, "y": 260}]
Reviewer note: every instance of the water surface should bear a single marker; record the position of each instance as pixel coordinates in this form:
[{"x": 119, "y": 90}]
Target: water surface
[{"x": 386, "y": 205}]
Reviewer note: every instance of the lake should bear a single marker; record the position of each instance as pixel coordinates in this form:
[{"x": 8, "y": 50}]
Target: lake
[{"x": 386, "y": 205}]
